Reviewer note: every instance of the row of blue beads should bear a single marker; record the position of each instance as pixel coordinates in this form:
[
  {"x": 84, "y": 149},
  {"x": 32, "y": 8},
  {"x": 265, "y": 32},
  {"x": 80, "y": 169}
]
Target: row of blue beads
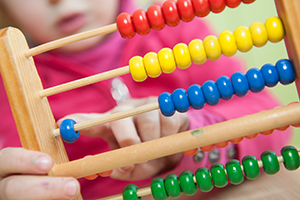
[{"x": 224, "y": 88}]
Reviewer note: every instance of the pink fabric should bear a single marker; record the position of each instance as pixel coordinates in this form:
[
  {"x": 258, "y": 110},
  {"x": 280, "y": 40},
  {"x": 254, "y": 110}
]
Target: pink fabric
[{"x": 55, "y": 68}]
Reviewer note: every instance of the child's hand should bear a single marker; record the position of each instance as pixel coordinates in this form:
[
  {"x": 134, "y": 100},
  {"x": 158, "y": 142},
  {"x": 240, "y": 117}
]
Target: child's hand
[
  {"x": 23, "y": 175},
  {"x": 134, "y": 130}
]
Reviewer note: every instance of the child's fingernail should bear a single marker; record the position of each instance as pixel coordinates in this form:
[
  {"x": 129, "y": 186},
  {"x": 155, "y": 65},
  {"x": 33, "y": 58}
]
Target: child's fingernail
[
  {"x": 43, "y": 163},
  {"x": 71, "y": 189}
]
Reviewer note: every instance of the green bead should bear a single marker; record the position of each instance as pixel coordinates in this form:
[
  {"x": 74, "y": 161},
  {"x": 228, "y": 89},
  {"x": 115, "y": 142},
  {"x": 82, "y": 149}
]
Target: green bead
[
  {"x": 218, "y": 175},
  {"x": 234, "y": 172},
  {"x": 187, "y": 183},
  {"x": 270, "y": 162},
  {"x": 251, "y": 168},
  {"x": 158, "y": 189},
  {"x": 203, "y": 179},
  {"x": 290, "y": 157},
  {"x": 129, "y": 192},
  {"x": 172, "y": 186}
]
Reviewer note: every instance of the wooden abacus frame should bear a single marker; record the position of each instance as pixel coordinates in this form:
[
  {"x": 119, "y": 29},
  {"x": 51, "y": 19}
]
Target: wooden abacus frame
[{"x": 35, "y": 121}]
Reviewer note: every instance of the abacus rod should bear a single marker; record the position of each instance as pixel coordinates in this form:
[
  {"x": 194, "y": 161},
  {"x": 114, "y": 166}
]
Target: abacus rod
[
  {"x": 113, "y": 117},
  {"x": 147, "y": 190},
  {"x": 84, "y": 81},
  {"x": 180, "y": 142},
  {"x": 71, "y": 39}
]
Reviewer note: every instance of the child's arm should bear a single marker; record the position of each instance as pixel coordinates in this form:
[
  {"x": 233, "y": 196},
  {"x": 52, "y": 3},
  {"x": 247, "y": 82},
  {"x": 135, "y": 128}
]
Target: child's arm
[{"x": 23, "y": 176}]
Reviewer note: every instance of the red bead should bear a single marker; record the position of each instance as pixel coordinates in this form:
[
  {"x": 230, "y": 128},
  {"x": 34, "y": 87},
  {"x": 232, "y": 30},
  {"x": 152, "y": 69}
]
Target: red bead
[
  {"x": 201, "y": 7},
  {"x": 125, "y": 25},
  {"x": 248, "y": 1},
  {"x": 217, "y": 6},
  {"x": 233, "y": 3},
  {"x": 140, "y": 22},
  {"x": 170, "y": 12},
  {"x": 186, "y": 10},
  {"x": 155, "y": 17}
]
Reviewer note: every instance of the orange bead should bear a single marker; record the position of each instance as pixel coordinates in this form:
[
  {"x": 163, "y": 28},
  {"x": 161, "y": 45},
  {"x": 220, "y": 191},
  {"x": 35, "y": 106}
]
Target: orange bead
[
  {"x": 252, "y": 136},
  {"x": 105, "y": 174},
  {"x": 222, "y": 144},
  {"x": 283, "y": 128},
  {"x": 268, "y": 132},
  {"x": 191, "y": 152},
  {"x": 237, "y": 140},
  {"x": 207, "y": 148},
  {"x": 91, "y": 177}
]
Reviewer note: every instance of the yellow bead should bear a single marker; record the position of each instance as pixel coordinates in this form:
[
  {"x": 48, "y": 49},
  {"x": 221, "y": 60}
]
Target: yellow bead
[
  {"x": 137, "y": 68},
  {"x": 227, "y": 43},
  {"x": 212, "y": 47},
  {"x": 152, "y": 65},
  {"x": 166, "y": 60},
  {"x": 259, "y": 34},
  {"x": 275, "y": 29},
  {"x": 243, "y": 38},
  {"x": 197, "y": 51},
  {"x": 182, "y": 56}
]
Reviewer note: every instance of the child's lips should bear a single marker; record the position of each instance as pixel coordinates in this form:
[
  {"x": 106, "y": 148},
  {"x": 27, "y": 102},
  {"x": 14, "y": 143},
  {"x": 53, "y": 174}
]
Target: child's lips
[{"x": 71, "y": 23}]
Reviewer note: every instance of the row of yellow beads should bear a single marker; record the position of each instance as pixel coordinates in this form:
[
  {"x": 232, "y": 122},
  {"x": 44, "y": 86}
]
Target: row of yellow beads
[{"x": 198, "y": 51}]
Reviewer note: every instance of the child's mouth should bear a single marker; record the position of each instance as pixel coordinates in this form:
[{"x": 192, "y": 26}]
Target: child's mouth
[{"x": 71, "y": 23}]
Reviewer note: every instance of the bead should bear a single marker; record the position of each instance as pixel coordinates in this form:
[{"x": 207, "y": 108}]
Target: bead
[
  {"x": 248, "y": 1},
  {"x": 286, "y": 71},
  {"x": 158, "y": 189},
  {"x": 233, "y": 3},
  {"x": 125, "y": 25},
  {"x": 186, "y": 10},
  {"x": 140, "y": 22},
  {"x": 106, "y": 173},
  {"x": 256, "y": 80},
  {"x": 222, "y": 144},
  {"x": 270, "y": 162},
  {"x": 217, "y": 6},
  {"x": 166, "y": 60},
  {"x": 275, "y": 29},
  {"x": 212, "y": 47},
  {"x": 243, "y": 38},
  {"x": 227, "y": 43},
  {"x": 240, "y": 84},
  {"x": 129, "y": 192},
  {"x": 251, "y": 168},
  {"x": 67, "y": 132},
  {"x": 211, "y": 93},
  {"x": 196, "y": 96},
  {"x": 155, "y": 17},
  {"x": 190, "y": 152},
  {"x": 198, "y": 157},
  {"x": 172, "y": 186},
  {"x": 187, "y": 183},
  {"x": 207, "y": 148},
  {"x": 214, "y": 156},
  {"x": 270, "y": 75},
  {"x": 252, "y": 136},
  {"x": 218, "y": 175},
  {"x": 182, "y": 56},
  {"x": 290, "y": 157},
  {"x": 259, "y": 34},
  {"x": 91, "y": 177},
  {"x": 180, "y": 100},
  {"x": 236, "y": 140},
  {"x": 203, "y": 179},
  {"x": 152, "y": 65},
  {"x": 234, "y": 172},
  {"x": 197, "y": 51},
  {"x": 137, "y": 69},
  {"x": 170, "y": 13},
  {"x": 166, "y": 104},
  {"x": 225, "y": 87},
  {"x": 267, "y": 132},
  {"x": 201, "y": 7}
]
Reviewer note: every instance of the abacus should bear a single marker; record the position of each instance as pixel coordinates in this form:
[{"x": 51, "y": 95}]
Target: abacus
[{"x": 38, "y": 131}]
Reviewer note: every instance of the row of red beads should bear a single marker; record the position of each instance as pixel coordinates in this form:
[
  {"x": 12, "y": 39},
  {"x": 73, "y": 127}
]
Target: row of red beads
[{"x": 170, "y": 13}]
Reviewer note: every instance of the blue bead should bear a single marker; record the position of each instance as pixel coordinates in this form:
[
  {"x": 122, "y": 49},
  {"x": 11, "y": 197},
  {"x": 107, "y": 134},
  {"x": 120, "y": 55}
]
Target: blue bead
[
  {"x": 211, "y": 93},
  {"x": 256, "y": 80},
  {"x": 225, "y": 87},
  {"x": 196, "y": 96},
  {"x": 286, "y": 71},
  {"x": 180, "y": 100},
  {"x": 270, "y": 75},
  {"x": 67, "y": 132},
  {"x": 166, "y": 104},
  {"x": 240, "y": 84}
]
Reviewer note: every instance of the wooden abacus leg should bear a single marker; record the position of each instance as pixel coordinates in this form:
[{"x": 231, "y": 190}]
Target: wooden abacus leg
[{"x": 32, "y": 114}]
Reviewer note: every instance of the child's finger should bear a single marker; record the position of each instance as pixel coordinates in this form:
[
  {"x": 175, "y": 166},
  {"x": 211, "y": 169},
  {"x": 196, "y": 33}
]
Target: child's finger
[
  {"x": 18, "y": 160},
  {"x": 148, "y": 126},
  {"x": 38, "y": 187}
]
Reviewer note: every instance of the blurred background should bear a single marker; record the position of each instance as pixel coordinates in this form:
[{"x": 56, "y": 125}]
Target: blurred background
[{"x": 245, "y": 14}]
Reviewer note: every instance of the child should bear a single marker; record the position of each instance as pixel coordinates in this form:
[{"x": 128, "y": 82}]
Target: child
[{"x": 47, "y": 20}]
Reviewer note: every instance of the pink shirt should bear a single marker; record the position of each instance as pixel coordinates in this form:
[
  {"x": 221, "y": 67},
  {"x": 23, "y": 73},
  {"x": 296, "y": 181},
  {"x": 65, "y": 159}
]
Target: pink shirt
[{"x": 56, "y": 68}]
